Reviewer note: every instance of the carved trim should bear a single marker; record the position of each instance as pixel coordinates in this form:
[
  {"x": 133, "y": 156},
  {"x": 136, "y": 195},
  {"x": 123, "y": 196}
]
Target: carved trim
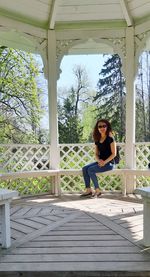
[
  {"x": 119, "y": 45},
  {"x": 62, "y": 48},
  {"x": 140, "y": 38},
  {"x": 139, "y": 44}
]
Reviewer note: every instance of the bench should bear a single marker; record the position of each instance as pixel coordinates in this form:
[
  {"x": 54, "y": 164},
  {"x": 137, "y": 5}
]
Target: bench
[
  {"x": 6, "y": 197},
  {"x": 34, "y": 174},
  {"x": 128, "y": 187},
  {"x": 125, "y": 174},
  {"x": 145, "y": 193}
]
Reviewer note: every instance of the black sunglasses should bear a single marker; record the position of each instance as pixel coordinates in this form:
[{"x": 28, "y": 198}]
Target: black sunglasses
[{"x": 102, "y": 126}]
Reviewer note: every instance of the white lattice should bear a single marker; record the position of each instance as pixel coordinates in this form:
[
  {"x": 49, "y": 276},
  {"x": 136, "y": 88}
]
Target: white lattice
[
  {"x": 77, "y": 155},
  {"x": 76, "y": 184},
  {"x": 72, "y": 156},
  {"x": 19, "y": 157},
  {"x": 29, "y": 186},
  {"x": 142, "y": 181},
  {"x": 142, "y": 154}
]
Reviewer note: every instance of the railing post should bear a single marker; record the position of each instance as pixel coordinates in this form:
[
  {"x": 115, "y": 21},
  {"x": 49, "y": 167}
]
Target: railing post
[
  {"x": 130, "y": 108},
  {"x": 52, "y": 100}
]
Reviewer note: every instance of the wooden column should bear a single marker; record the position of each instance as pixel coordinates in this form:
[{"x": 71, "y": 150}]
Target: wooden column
[
  {"x": 130, "y": 107},
  {"x": 52, "y": 99}
]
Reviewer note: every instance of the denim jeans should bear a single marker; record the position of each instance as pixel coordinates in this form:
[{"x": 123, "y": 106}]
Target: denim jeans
[{"x": 90, "y": 170}]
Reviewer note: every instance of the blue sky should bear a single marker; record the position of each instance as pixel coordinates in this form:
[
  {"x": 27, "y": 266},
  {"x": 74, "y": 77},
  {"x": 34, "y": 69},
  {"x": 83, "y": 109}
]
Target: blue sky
[{"x": 92, "y": 63}]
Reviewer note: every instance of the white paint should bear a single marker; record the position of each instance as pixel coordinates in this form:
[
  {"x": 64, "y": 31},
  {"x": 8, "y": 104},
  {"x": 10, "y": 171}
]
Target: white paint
[
  {"x": 52, "y": 97},
  {"x": 5, "y": 199}
]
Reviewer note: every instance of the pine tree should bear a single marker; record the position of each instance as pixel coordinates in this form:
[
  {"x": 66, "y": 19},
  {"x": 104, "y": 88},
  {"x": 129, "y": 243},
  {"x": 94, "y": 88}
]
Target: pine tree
[{"x": 110, "y": 97}]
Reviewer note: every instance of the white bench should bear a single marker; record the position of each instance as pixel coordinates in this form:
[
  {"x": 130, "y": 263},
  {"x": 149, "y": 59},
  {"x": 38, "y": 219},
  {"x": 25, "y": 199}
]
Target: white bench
[
  {"x": 34, "y": 174},
  {"x": 145, "y": 193},
  {"x": 6, "y": 197},
  {"x": 128, "y": 186},
  {"x": 125, "y": 173}
]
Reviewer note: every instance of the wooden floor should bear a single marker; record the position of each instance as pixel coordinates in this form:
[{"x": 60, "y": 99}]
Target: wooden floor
[{"x": 76, "y": 237}]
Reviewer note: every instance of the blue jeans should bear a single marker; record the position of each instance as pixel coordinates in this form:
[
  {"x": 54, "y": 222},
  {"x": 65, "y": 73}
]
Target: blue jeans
[{"x": 90, "y": 170}]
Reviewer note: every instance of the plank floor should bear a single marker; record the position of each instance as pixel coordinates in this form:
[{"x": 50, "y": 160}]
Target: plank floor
[{"x": 69, "y": 236}]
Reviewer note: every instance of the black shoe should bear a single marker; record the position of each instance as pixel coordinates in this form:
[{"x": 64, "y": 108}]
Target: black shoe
[{"x": 86, "y": 194}]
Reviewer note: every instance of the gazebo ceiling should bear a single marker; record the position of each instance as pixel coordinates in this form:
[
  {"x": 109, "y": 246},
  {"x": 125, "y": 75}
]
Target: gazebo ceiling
[
  {"x": 21, "y": 21},
  {"x": 50, "y": 14}
]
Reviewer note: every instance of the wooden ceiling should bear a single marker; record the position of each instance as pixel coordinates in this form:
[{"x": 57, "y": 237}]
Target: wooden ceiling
[{"x": 51, "y": 14}]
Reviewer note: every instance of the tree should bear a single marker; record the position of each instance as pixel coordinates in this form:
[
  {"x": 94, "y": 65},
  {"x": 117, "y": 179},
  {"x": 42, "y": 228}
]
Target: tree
[
  {"x": 143, "y": 98},
  {"x": 110, "y": 97},
  {"x": 19, "y": 96},
  {"x": 69, "y": 108}
]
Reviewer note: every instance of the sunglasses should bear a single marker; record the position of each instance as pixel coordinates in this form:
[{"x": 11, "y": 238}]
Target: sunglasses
[{"x": 102, "y": 126}]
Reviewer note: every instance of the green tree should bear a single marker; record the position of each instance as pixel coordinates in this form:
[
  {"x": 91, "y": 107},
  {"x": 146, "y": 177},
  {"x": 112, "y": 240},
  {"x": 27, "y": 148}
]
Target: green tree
[
  {"x": 19, "y": 96},
  {"x": 70, "y": 130},
  {"x": 70, "y": 108},
  {"x": 110, "y": 97},
  {"x": 143, "y": 98}
]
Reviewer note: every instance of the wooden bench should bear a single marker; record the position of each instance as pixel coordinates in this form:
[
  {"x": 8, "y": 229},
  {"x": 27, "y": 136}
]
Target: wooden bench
[
  {"x": 145, "y": 193},
  {"x": 34, "y": 174},
  {"x": 6, "y": 197},
  {"x": 57, "y": 173},
  {"x": 125, "y": 174}
]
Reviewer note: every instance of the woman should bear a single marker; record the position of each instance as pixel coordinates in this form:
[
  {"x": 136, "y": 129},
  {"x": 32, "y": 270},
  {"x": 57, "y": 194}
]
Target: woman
[{"x": 105, "y": 151}]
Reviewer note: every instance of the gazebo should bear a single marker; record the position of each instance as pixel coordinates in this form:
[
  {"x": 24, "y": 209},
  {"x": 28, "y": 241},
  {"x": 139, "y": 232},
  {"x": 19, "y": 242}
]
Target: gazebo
[
  {"x": 53, "y": 236},
  {"x": 55, "y": 28}
]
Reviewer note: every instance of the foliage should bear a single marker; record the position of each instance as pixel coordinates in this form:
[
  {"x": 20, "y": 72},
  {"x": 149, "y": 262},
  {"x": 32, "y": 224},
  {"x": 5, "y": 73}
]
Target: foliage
[
  {"x": 89, "y": 118},
  {"x": 69, "y": 112},
  {"x": 110, "y": 97},
  {"x": 19, "y": 96},
  {"x": 143, "y": 98},
  {"x": 70, "y": 130}
]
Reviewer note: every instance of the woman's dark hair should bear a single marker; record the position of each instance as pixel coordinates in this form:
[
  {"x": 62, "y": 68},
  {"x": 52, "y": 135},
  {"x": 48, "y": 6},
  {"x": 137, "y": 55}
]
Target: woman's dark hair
[{"x": 96, "y": 133}]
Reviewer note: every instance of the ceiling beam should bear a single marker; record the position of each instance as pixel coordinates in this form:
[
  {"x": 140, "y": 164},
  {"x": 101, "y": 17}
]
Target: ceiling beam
[
  {"x": 53, "y": 13},
  {"x": 13, "y": 24},
  {"x": 126, "y": 12}
]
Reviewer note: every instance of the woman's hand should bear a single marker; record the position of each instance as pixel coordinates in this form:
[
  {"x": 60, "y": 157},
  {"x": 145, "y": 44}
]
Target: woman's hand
[{"x": 101, "y": 163}]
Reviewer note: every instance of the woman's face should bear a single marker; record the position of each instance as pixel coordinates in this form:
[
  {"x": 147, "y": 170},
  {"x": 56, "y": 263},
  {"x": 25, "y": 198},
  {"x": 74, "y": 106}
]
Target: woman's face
[{"x": 102, "y": 127}]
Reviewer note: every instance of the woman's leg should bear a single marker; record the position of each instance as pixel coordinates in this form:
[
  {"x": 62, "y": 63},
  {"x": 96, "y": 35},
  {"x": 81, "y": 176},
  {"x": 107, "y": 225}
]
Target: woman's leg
[
  {"x": 86, "y": 174},
  {"x": 92, "y": 170},
  {"x": 86, "y": 177}
]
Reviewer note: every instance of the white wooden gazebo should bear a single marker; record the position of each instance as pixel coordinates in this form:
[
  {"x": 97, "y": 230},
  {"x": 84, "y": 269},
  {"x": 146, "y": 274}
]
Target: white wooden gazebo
[{"x": 54, "y": 28}]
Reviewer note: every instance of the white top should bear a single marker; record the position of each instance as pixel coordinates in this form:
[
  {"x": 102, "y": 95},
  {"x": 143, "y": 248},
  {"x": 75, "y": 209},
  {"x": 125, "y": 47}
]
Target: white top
[
  {"x": 7, "y": 194},
  {"x": 145, "y": 192}
]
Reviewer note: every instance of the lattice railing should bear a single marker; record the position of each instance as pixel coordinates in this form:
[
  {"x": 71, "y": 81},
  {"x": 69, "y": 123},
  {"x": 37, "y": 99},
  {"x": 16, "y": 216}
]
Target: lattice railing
[
  {"x": 72, "y": 184},
  {"x": 24, "y": 157},
  {"x": 77, "y": 155},
  {"x": 142, "y": 154},
  {"x": 29, "y": 186}
]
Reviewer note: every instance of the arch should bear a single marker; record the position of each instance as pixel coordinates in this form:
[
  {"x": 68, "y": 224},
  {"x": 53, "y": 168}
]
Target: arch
[
  {"x": 142, "y": 42},
  {"x": 80, "y": 46},
  {"x": 17, "y": 40}
]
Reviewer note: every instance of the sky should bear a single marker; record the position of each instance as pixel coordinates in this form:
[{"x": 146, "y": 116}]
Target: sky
[{"x": 92, "y": 63}]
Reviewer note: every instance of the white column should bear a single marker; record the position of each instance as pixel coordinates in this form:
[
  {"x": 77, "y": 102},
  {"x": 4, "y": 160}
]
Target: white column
[
  {"x": 130, "y": 107},
  {"x": 52, "y": 99}
]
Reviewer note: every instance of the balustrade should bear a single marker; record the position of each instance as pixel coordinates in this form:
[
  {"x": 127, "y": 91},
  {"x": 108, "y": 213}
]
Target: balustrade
[{"x": 24, "y": 157}]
